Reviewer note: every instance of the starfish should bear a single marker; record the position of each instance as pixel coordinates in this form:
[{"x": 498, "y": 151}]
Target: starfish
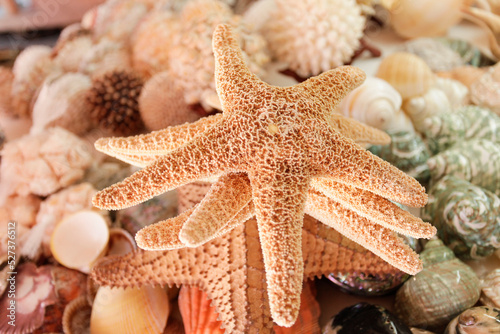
[
  {"x": 279, "y": 152},
  {"x": 230, "y": 269}
]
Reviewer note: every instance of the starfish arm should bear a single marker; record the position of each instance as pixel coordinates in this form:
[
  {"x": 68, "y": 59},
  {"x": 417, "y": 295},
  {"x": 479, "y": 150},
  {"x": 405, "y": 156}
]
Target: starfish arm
[
  {"x": 223, "y": 201},
  {"x": 279, "y": 200},
  {"x": 357, "y": 131},
  {"x": 381, "y": 241},
  {"x": 344, "y": 161},
  {"x": 374, "y": 208},
  {"x": 202, "y": 157},
  {"x": 158, "y": 142}
]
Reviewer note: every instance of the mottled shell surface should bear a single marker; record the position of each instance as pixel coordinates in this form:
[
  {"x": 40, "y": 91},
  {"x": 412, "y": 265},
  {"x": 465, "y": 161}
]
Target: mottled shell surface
[
  {"x": 444, "y": 278},
  {"x": 419, "y": 108},
  {"x": 104, "y": 57},
  {"x": 469, "y": 53},
  {"x": 485, "y": 92},
  {"x": 443, "y": 130},
  {"x": 313, "y": 36},
  {"x": 76, "y": 316},
  {"x": 407, "y": 73},
  {"x": 69, "y": 55},
  {"x": 490, "y": 289},
  {"x": 437, "y": 55},
  {"x": 467, "y": 217},
  {"x": 476, "y": 161},
  {"x": 377, "y": 104},
  {"x": 476, "y": 320},
  {"x": 407, "y": 151}
]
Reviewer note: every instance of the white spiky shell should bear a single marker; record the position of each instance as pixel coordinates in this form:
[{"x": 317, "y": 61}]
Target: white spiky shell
[
  {"x": 377, "y": 104},
  {"x": 434, "y": 101},
  {"x": 313, "y": 36}
]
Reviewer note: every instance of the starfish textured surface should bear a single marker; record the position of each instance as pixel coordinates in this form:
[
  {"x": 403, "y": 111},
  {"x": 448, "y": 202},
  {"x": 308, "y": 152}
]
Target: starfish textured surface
[{"x": 287, "y": 143}]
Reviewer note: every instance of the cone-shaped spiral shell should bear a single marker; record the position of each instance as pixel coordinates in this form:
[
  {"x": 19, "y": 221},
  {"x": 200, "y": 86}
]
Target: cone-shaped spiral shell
[
  {"x": 62, "y": 102},
  {"x": 407, "y": 73},
  {"x": 161, "y": 103},
  {"x": 314, "y": 36},
  {"x": 456, "y": 92},
  {"x": 490, "y": 289},
  {"x": 444, "y": 278},
  {"x": 377, "y": 104},
  {"x": 129, "y": 311},
  {"x": 485, "y": 92},
  {"x": 419, "y": 108}
]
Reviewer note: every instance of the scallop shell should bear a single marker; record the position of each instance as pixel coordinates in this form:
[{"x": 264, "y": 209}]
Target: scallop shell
[
  {"x": 467, "y": 217},
  {"x": 476, "y": 320},
  {"x": 485, "y": 92},
  {"x": 377, "y": 104},
  {"x": 467, "y": 75},
  {"x": 420, "y": 301},
  {"x": 76, "y": 316},
  {"x": 437, "y": 55},
  {"x": 407, "y": 73},
  {"x": 130, "y": 310},
  {"x": 444, "y": 130},
  {"x": 419, "y": 108},
  {"x": 490, "y": 289},
  {"x": 476, "y": 161},
  {"x": 61, "y": 102},
  {"x": 161, "y": 103},
  {"x": 79, "y": 240},
  {"x": 412, "y": 19}
]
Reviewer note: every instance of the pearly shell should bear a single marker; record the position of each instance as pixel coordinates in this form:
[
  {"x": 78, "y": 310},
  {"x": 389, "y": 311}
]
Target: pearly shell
[
  {"x": 490, "y": 289},
  {"x": 476, "y": 161},
  {"x": 485, "y": 92},
  {"x": 76, "y": 316},
  {"x": 377, "y": 104},
  {"x": 444, "y": 288},
  {"x": 407, "y": 73},
  {"x": 79, "y": 240},
  {"x": 419, "y": 108},
  {"x": 129, "y": 311},
  {"x": 467, "y": 217},
  {"x": 412, "y": 19},
  {"x": 444, "y": 130},
  {"x": 436, "y": 54},
  {"x": 476, "y": 320}
]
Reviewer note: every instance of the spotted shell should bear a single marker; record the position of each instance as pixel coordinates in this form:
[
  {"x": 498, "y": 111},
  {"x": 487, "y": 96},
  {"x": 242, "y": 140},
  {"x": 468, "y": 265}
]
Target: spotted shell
[
  {"x": 377, "y": 104},
  {"x": 485, "y": 92},
  {"x": 490, "y": 289},
  {"x": 443, "y": 130},
  {"x": 476, "y": 320},
  {"x": 476, "y": 161},
  {"x": 407, "y": 73},
  {"x": 420, "y": 300},
  {"x": 467, "y": 217}
]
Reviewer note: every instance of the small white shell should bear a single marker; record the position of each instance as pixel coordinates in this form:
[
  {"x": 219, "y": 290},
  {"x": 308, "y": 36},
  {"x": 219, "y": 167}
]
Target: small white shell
[
  {"x": 420, "y": 107},
  {"x": 456, "y": 92},
  {"x": 490, "y": 289},
  {"x": 377, "y": 104}
]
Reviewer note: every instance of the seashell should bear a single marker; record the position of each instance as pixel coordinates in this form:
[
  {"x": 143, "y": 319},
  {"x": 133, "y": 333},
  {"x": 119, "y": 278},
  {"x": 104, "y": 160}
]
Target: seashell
[
  {"x": 467, "y": 75},
  {"x": 6, "y": 80},
  {"x": 79, "y": 240},
  {"x": 130, "y": 310},
  {"x": 69, "y": 33},
  {"x": 444, "y": 278},
  {"x": 377, "y": 104},
  {"x": 76, "y": 316},
  {"x": 476, "y": 320},
  {"x": 365, "y": 318},
  {"x": 8, "y": 263},
  {"x": 467, "y": 217},
  {"x": 104, "y": 57},
  {"x": 406, "y": 151},
  {"x": 61, "y": 102},
  {"x": 436, "y": 54},
  {"x": 30, "y": 69},
  {"x": 69, "y": 54},
  {"x": 485, "y": 92},
  {"x": 419, "y": 108},
  {"x": 469, "y": 53},
  {"x": 419, "y": 331},
  {"x": 476, "y": 161},
  {"x": 314, "y": 36},
  {"x": 120, "y": 242},
  {"x": 444, "y": 130},
  {"x": 413, "y": 19},
  {"x": 407, "y": 73},
  {"x": 490, "y": 289},
  {"x": 489, "y": 22},
  {"x": 455, "y": 91},
  {"x": 161, "y": 103},
  {"x": 43, "y": 163},
  {"x": 113, "y": 99}
]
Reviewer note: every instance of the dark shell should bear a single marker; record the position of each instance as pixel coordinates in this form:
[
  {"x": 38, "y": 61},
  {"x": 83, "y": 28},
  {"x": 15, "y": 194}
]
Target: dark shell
[
  {"x": 366, "y": 318},
  {"x": 476, "y": 320}
]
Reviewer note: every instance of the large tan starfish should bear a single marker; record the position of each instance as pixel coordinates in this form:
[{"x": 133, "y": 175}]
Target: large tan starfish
[{"x": 285, "y": 150}]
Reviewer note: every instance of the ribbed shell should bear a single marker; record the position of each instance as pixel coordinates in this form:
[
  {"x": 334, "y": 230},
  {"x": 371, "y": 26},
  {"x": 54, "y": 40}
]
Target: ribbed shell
[
  {"x": 467, "y": 217},
  {"x": 313, "y": 36},
  {"x": 419, "y": 108},
  {"x": 76, "y": 316},
  {"x": 490, "y": 289},
  {"x": 444, "y": 288}
]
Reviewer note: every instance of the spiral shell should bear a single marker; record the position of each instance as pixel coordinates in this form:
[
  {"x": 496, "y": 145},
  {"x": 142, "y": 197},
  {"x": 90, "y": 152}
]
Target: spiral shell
[
  {"x": 485, "y": 92},
  {"x": 377, "y": 104},
  {"x": 490, "y": 289},
  {"x": 420, "y": 300},
  {"x": 419, "y": 108},
  {"x": 467, "y": 217},
  {"x": 76, "y": 316},
  {"x": 476, "y": 320},
  {"x": 436, "y": 54},
  {"x": 407, "y": 73}
]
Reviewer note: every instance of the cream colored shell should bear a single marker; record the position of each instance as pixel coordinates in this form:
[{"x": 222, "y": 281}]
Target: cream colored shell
[
  {"x": 103, "y": 57},
  {"x": 419, "y": 108},
  {"x": 490, "y": 289},
  {"x": 71, "y": 52},
  {"x": 485, "y": 92}
]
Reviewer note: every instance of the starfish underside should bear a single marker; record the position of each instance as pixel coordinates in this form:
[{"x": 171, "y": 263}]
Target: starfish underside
[{"x": 277, "y": 153}]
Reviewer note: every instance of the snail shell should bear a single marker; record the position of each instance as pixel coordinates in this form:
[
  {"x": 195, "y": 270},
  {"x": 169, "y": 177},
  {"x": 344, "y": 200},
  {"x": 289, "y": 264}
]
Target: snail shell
[
  {"x": 407, "y": 73},
  {"x": 436, "y": 54},
  {"x": 476, "y": 320},
  {"x": 419, "y": 108},
  {"x": 490, "y": 291},
  {"x": 435, "y": 296}
]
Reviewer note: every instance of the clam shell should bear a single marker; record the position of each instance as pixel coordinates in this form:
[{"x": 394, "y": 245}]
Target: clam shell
[
  {"x": 129, "y": 311},
  {"x": 467, "y": 217},
  {"x": 490, "y": 289},
  {"x": 407, "y": 73},
  {"x": 420, "y": 300},
  {"x": 76, "y": 316},
  {"x": 476, "y": 320}
]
